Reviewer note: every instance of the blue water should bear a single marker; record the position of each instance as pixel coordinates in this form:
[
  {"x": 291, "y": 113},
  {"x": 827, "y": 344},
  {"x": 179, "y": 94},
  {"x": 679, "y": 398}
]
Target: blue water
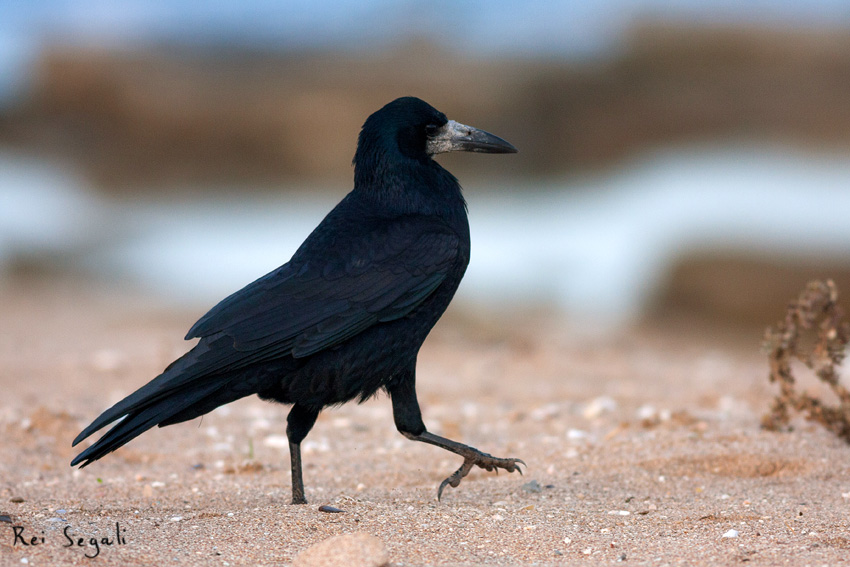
[{"x": 595, "y": 247}]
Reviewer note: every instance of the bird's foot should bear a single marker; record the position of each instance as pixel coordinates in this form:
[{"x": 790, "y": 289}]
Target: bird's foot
[{"x": 473, "y": 457}]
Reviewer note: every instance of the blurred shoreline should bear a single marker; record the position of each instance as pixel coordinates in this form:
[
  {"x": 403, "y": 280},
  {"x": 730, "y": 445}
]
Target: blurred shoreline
[
  {"x": 716, "y": 234},
  {"x": 183, "y": 120},
  {"x": 696, "y": 172}
]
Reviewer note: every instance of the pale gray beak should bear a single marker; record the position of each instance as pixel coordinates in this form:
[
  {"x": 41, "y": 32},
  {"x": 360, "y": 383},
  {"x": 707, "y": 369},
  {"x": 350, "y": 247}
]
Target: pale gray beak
[{"x": 457, "y": 137}]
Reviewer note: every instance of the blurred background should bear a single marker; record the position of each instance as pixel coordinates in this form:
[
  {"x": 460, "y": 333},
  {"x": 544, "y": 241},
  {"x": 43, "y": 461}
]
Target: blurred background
[{"x": 679, "y": 160}]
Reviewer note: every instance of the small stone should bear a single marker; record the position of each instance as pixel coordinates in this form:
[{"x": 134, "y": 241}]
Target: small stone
[
  {"x": 330, "y": 509},
  {"x": 731, "y": 533},
  {"x": 349, "y": 550},
  {"x": 646, "y": 412},
  {"x": 276, "y": 441},
  {"x": 16, "y": 499},
  {"x": 5, "y": 518},
  {"x": 532, "y": 486},
  {"x": 576, "y": 434},
  {"x": 597, "y": 406}
]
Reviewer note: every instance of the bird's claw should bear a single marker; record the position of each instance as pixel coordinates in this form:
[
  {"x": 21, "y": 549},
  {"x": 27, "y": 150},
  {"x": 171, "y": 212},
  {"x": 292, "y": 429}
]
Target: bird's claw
[{"x": 483, "y": 460}]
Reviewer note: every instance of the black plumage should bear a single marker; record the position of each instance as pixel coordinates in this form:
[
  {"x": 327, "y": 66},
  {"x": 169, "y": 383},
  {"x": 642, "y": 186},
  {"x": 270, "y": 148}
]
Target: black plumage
[{"x": 346, "y": 316}]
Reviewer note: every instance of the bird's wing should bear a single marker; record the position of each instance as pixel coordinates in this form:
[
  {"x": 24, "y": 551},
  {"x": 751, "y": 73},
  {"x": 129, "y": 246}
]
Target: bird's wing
[{"x": 323, "y": 297}]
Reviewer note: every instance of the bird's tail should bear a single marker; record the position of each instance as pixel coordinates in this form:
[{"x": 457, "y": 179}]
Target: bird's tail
[{"x": 185, "y": 390}]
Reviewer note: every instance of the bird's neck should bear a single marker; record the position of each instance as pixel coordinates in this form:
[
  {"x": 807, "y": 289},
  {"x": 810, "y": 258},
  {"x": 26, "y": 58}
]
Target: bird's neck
[{"x": 411, "y": 187}]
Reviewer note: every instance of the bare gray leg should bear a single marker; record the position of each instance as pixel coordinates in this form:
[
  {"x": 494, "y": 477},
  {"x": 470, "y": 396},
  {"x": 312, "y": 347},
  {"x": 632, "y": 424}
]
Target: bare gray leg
[
  {"x": 299, "y": 422},
  {"x": 471, "y": 457},
  {"x": 297, "y": 480},
  {"x": 408, "y": 420}
]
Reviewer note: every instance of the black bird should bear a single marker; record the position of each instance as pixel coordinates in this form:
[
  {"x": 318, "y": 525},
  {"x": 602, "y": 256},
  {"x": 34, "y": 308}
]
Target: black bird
[{"x": 346, "y": 316}]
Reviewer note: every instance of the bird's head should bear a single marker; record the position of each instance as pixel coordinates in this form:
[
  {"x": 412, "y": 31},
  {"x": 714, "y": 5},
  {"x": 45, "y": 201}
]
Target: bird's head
[{"x": 413, "y": 128}]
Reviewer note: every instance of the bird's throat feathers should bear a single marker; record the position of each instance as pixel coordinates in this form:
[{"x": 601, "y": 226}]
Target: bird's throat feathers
[{"x": 402, "y": 184}]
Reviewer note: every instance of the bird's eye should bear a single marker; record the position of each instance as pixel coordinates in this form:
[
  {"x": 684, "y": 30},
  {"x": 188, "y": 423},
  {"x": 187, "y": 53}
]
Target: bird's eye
[{"x": 431, "y": 129}]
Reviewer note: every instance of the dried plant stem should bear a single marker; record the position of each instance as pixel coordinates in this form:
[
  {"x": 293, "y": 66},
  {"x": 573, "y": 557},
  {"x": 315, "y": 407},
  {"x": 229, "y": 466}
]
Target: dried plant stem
[{"x": 816, "y": 310}]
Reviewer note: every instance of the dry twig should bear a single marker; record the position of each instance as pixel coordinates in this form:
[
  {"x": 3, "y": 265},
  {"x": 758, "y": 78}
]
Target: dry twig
[{"x": 815, "y": 311}]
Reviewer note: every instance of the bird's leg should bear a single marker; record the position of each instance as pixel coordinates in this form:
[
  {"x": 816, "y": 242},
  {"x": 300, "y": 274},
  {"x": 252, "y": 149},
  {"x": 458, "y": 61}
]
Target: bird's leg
[
  {"x": 297, "y": 479},
  {"x": 408, "y": 420},
  {"x": 299, "y": 422},
  {"x": 472, "y": 457}
]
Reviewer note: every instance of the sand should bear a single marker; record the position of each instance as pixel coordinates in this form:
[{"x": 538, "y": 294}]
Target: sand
[{"x": 643, "y": 447}]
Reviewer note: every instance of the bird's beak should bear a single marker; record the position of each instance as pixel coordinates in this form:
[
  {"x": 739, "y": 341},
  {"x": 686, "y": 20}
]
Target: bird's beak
[{"x": 457, "y": 137}]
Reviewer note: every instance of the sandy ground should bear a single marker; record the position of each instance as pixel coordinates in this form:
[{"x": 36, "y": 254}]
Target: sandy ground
[{"x": 642, "y": 448}]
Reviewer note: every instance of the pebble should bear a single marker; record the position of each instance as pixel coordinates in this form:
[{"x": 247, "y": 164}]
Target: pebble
[
  {"x": 731, "y": 533},
  {"x": 545, "y": 413},
  {"x": 329, "y": 509},
  {"x": 16, "y": 499},
  {"x": 597, "y": 406},
  {"x": 276, "y": 441},
  {"x": 349, "y": 550},
  {"x": 646, "y": 411},
  {"x": 576, "y": 434},
  {"x": 5, "y": 518},
  {"x": 532, "y": 486}
]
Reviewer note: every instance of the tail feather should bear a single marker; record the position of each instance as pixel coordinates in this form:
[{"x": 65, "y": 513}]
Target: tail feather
[
  {"x": 207, "y": 403},
  {"x": 182, "y": 392},
  {"x": 183, "y": 372}
]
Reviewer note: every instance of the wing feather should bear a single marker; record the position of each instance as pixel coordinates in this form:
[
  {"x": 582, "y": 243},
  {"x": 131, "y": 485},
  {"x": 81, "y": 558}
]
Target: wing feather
[{"x": 373, "y": 276}]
